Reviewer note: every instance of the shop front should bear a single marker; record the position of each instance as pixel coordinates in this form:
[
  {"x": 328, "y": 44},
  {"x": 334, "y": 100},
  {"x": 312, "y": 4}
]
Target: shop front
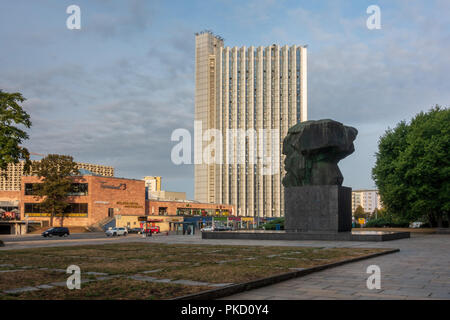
[
  {"x": 234, "y": 223},
  {"x": 200, "y": 221},
  {"x": 220, "y": 222},
  {"x": 248, "y": 223}
]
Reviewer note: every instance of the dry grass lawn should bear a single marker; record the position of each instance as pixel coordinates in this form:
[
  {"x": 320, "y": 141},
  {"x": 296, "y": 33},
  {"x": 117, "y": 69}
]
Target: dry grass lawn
[
  {"x": 29, "y": 278},
  {"x": 115, "y": 289},
  {"x": 205, "y": 263}
]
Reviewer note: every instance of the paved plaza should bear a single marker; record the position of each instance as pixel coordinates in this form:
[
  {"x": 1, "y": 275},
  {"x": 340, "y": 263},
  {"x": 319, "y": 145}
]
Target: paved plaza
[{"x": 421, "y": 270}]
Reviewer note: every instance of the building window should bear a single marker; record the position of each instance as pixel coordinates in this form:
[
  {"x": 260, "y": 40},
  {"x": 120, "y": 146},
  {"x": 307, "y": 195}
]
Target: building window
[
  {"x": 30, "y": 189},
  {"x": 32, "y": 208},
  {"x": 76, "y": 208},
  {"x": 71, "y": 208},
  {"x": 77, "y": 189},
  {"x": 162, "y": 211}
]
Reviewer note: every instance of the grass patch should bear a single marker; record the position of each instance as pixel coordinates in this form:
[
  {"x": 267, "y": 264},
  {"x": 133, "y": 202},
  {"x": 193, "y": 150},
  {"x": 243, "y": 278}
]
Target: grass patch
[
  {"x": 115, "y": 289},
  {"x": 205, "y": 263},
  {"x": 29, "y": 278}
]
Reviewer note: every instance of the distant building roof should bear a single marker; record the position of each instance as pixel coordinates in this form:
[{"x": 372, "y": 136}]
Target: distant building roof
[{"x": 84, "y": 172}]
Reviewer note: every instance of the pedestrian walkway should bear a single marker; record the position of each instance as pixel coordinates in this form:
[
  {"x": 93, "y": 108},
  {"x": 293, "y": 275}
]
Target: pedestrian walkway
[{"x": 421, "y": 270}]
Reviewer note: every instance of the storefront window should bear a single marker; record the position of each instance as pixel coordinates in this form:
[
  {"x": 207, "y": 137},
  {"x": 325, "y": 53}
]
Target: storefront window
[
  {"x": 77, "y": 189},
  {"x": 184, "y": 211},
  {"x": 30, "y": 189},
  {"x": 72, "y": 208}
]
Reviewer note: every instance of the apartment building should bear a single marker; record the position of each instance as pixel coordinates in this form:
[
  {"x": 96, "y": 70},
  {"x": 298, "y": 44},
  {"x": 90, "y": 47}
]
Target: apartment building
[
  {"x": 369, "y": 200},
  {"x": 10, "y": 179},
  {"x": 257, "y": 94}
]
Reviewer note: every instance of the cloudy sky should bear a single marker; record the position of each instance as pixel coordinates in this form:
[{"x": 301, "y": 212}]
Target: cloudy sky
[{"x": 113, "y": 92}]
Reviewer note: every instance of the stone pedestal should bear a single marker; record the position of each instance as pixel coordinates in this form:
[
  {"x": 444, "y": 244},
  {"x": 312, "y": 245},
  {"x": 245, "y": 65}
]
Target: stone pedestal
[{"x": 323, "y": 208}]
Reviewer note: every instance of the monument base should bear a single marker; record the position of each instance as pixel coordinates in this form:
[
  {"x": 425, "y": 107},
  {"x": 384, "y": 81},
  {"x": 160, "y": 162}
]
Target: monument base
[
  {"x": 323, "y": 208},
  {"x": 326, "y": 236}
]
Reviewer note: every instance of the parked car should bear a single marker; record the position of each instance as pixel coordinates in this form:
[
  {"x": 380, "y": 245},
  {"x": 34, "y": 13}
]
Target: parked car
[
  {"x": 135, "y": 230},
  {"x": 207, "y": 229},
  {"x": 61, "y": 231},
  {"x": 152, "y": 229},
  {"x": 222, "y": 228},
  {"x": 116, "y": 232},
  {"x": 416, "y": 224}
]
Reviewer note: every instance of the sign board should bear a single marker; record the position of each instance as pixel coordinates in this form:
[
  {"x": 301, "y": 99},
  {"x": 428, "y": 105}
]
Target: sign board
[
  {"x": 66, "y": 215},
  {"x": 362, "y": 221},
  {"x": 101, "y": 202},
  {"x": 121, "y": 186}
]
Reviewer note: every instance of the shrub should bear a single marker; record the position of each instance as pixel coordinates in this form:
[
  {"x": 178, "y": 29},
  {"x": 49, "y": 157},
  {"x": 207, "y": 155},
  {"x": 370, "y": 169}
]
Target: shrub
[
  {"x": 376, "y": 223},
  {"x": 271, "y": 225},
  {"x": 382, "y": 222}
]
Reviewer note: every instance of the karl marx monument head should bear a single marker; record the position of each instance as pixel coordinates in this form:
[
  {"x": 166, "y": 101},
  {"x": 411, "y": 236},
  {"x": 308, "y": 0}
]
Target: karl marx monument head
[{"x": 313, "y": 150}]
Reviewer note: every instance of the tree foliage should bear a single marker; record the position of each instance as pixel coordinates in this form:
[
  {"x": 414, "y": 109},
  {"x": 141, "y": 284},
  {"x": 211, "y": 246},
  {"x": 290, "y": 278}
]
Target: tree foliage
[
  {"x": 55, "y": 171},
  {"x": 272, "y": 225},
  {"x": 359, "y": 212},
  {"x": 412, "y": 169},
  {"x": 12, "y": 116}
]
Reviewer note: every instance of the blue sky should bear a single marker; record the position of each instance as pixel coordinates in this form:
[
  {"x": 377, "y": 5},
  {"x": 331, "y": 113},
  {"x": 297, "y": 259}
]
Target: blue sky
[{"x": 113, "y": 92}]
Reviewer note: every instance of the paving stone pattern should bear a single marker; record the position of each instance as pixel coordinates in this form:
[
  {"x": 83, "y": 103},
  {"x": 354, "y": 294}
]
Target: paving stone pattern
[{"x": 421, "y": 270}]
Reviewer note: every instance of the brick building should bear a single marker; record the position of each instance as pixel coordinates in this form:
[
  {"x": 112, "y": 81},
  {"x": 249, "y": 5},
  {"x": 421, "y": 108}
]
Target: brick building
[
  {"x": 96, "y": 201},
  {"x": 92, "y": 200}
]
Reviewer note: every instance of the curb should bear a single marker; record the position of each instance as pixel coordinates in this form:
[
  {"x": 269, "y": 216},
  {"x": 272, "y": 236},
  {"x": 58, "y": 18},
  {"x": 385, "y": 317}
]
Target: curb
[{"x": 241, "y": 287}]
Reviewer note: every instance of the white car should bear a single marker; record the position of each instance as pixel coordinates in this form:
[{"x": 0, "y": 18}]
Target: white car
[
  {"x": 416, "y": 224},
  {"x": 208, "y": 228},
  {"x": 116, "y": 232}
]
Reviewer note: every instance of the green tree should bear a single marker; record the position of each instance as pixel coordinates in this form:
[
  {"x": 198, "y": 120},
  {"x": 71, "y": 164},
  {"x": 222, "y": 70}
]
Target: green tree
[
  {"x": 55, "y": 172},
  {"x": 359, "y": 213},
  {"x": 12, "y": 116},
  {"x": 375, "y": 214},
  {"x": 412, "y": 169}
]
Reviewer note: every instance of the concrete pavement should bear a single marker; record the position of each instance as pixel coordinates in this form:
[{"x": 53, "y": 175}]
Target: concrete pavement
[{"x": 421, "y": 270}]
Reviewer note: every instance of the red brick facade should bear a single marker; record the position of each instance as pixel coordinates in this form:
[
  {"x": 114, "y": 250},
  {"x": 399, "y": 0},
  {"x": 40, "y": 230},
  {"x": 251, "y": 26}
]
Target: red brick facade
[
  {"x": 9, "y": 195},
  {"x": 105, "y": 195},
  {"x": 109, "y": 196}
]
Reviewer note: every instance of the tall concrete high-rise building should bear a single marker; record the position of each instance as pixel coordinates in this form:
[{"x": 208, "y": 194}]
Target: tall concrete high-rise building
[{"x": 256, "y": 93}]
